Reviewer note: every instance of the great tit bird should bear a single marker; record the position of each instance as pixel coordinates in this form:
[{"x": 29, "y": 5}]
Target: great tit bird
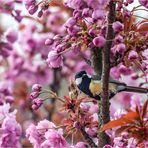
[{"x": 91, "y": 86}]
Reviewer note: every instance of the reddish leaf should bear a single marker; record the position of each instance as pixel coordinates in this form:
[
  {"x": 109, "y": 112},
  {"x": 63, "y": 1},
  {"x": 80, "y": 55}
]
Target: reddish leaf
[
  {"x": 128, "y": 118},
  {"x": 128, "y": 23},
  {"x": 144, "y": 109},
  {"x": 137, "y": 110},
  {"x": 121, "y": 129},
  {"x": 142, "y": 27}
]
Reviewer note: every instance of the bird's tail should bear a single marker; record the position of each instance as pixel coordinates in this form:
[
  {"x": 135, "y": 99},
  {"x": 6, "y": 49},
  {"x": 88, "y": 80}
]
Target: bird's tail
[
  {"x": 132, "y": 89},
  {"x": 123, "y": 87},
  {"x": 136, "y": 89}
]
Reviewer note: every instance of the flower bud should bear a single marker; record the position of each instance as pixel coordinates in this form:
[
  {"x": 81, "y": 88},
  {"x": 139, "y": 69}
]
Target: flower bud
[
  {"x": 32, "y": 9},
  {"x": 134, "y": 76},
  {"x": 98, "y": 15},
  {"x": 70, "y": 22},
  {"x": 9, "y": 99},
  {"x": 144, "y": 3},
  {"x": 121, "y": 48},
  {"x": 117, "y": 26},
  {"x": 11, "y": 35},
  {"x": 99, "y": 41},
  {"x": 133, "y": 55},
  {"x": 29, "y": 3},
  {"x": 54, "y": 59},
  {"x": 118, "y": 39},
  {"x": 36, "y": 88},
  {"x": 34, "y": 95},
  {"x": 37, "y": 103},
  {"x": 49, "y": 41}
]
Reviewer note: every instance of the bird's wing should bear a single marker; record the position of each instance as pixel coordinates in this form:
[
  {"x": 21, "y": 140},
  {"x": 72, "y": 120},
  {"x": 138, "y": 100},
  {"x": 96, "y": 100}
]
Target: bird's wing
[
  {"x": 111, "y": 80},
  {"x": 116, "y": 82},
  {"x": 96, "y": 77}
]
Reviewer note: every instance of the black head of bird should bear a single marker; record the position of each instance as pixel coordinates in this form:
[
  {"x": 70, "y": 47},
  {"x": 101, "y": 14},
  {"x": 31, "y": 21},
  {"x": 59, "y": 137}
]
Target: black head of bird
[{"x": 83, "y": 81}]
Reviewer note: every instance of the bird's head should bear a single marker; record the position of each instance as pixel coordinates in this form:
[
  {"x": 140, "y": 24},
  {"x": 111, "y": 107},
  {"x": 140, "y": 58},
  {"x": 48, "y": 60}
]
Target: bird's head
[{"x": 80, "y": 76}]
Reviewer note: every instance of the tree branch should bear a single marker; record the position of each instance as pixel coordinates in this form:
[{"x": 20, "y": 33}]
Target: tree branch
[
  {"x": 103, "y": 137},
  {"x": 54, "y": 87},
  {"x": 96, "y": 56}
]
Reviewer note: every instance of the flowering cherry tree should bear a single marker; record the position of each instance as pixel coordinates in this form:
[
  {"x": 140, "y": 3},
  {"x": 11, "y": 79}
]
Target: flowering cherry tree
[{"x": 40, "y": 103}]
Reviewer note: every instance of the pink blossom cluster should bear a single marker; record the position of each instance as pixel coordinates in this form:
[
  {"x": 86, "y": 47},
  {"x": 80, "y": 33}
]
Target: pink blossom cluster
[
  {"x": 11, "y": 130},
  {"x": 47, "y": 134}
]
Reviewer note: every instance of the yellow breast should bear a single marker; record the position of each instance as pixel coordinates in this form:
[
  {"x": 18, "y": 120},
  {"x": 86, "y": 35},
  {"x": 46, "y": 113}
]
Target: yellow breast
[{"x": 95, "y": 87}]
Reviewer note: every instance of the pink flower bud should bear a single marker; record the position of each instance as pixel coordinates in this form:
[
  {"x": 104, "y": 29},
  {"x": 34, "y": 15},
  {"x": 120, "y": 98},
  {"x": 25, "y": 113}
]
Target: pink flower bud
[
  {"x": 9, "y": 99},
  {"x": 34, "y": 95},
  {"x": 127, "y": 13},
  {"x": 133, "y": 55},
  {"x": 98, "y": 15},
  {"x": 92, "y": 32},
  {"x": 144, "y": 3},
  {"x": 86, "y": 12},
  {"x": 124, "y": 70},
  {"x": 11, "y": 35},
  {"x": 32, "y": 9},
  {"x": 70, "y": 22},
  {"x": 73, "y": 30},
  {"x": 134, "y": 76},
  {"x": 49, "y": 41},
  {"x": 54, "y": 59},
  {"x": 29, "y": 3},
  {"x": 121, "y": 48},
  {"x": 118, "y": 39},
  {"x": 37, "y": 103},
  {"x": 117, "y": 26},
  {"x": 99, "y": 41},
  {"x": 36, "y": 88}
]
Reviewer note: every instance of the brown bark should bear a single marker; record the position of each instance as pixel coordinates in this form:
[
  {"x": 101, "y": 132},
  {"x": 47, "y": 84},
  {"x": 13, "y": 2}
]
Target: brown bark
[
  {"x": 104, "y": 71},
  {"x": 103, "y": 137}
]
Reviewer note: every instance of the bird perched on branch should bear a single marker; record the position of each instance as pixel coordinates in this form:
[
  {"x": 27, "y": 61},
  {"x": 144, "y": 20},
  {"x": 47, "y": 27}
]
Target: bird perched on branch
[{"x": 91, "y": 86}]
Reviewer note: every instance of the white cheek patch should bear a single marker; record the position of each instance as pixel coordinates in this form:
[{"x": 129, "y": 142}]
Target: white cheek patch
[
  {"x": 89, "y": 76},
  {"x": 78, "y": 81}
]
